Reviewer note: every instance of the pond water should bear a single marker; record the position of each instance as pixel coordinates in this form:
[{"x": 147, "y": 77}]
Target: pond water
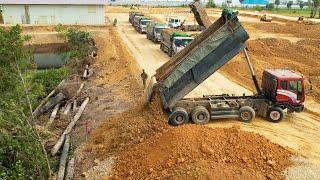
[
  {"x": 53, "y": 55},
  {"x": 46, "y": 60}
]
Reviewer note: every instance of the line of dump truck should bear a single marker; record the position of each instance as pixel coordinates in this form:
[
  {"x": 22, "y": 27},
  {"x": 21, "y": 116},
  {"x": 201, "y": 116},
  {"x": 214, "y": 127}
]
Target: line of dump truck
[{"x": 281, "y": 89}]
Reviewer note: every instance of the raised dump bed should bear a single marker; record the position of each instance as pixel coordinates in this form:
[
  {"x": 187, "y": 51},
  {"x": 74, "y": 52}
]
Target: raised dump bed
[
  {"x": 209, "y": 51},
  {"x": 200, "y": 14}
]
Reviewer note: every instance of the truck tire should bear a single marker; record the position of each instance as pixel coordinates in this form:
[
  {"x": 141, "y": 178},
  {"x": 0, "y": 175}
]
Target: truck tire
[
  {"x": 178, "y": 116},
  {"x": 247, "y": 114},
  {"x": 200, "y": 115},
  {"x": 275, "y": 114},
  {"x": 170, "y": 52}
]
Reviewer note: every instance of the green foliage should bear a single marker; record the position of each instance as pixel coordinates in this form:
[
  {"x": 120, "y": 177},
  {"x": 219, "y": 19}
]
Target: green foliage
[
  {"x": 301, "y": 4},
  {"x": 277, "y": 2},
  {"x": 81, "y": 44},
  {"x": 21, "y": 155},
  {"x": 211, "y": 4},
  {"x": 42, "y": 82},
  {"x": 289, "y": 4},
  {"x": 270, "y": 6},
  {"x": 258, "y": 8}
]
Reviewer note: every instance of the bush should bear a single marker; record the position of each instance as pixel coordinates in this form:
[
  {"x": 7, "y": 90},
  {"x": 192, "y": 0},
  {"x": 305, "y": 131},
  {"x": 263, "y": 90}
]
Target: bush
[
  {"x": 21, "y": 153},
  {"x": 270, "y": 6},
  {"x": 258, "y": 8},
  {"x": 211, "y": 4}
]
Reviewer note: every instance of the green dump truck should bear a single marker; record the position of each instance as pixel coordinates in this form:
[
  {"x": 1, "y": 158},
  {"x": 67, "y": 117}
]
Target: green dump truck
[
  {"x": 173, "y": 41},
  {"x": 154, "y": 31}
]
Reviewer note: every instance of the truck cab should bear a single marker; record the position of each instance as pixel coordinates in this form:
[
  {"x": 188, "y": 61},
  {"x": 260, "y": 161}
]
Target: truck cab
[
  {"x": 179, "y": 43},
  {"x": 142, "y": 27},
  {"x": 174, "y": 22},
  {"x": 285, "y": 88},
  {"x": 157, "y": 32}
]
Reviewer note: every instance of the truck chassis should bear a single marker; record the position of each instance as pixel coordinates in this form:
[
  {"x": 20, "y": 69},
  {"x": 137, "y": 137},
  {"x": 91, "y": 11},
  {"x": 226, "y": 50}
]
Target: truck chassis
[{"x": 201, "y": 110}]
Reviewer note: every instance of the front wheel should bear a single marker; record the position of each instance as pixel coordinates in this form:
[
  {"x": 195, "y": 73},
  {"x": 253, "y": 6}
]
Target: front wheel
[
  {"x": 247, "y": 114},
  {"x": 275, "y": 114},
  {"x": 178, "y": 116}
]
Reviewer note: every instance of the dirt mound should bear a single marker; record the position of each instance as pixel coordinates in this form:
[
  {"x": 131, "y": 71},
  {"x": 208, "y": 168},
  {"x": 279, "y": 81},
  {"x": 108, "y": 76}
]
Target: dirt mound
[
  {"x": 201, "y": 152},
  {"x": 298, "y": 30},
  {"x": 130, "y": 128}
]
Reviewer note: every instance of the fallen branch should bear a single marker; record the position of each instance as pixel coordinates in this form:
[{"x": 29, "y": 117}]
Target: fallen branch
[
  {"x": 63, "y": 158},
  {"x": 53, "y": 115},
  {"x": 59, "y": 143},
  {"x": 70, "y": 169},
  {"x": 52, "y": 102},
  {"x": 36, "y": 112},
  {"x": 67, "y": 109},
  {"x": 75, "y": 106},
  {"x": 90, "y": 72}
]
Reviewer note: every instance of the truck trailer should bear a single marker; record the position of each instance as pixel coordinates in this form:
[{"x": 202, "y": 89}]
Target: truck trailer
[
  {"x": 173, "y": 41},
  {"x": 154, "y": 31},
  {"x": 281, "y": 89}
]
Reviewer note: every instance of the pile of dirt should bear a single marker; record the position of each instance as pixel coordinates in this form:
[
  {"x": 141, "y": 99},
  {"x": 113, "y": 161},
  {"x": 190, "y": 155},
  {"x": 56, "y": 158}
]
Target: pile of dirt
[
  {"x": 130, "y": 128},
  {"x": 301, "y": 56},
  {"x": 298, "y": 30},
  {"x": 193, "y": 151}
]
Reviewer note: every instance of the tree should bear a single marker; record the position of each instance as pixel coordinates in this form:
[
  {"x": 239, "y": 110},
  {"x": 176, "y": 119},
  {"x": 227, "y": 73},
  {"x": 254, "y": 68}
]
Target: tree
[
  {"x": 289, "y": 4},
  {"x": 270, "y": 6},
  {"x": 301, "y": 4},
  {"x": 211, "y": 4},
  {"x": 22, "y": 154},
  {"x": 315, "y": 8},
  {"x": 277, "y": 3}
]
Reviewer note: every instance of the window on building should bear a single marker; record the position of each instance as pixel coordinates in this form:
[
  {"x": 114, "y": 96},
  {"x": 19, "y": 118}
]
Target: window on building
[{"x": 91, "y": 9}]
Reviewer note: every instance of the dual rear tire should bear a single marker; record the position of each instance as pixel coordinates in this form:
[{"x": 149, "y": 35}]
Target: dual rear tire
[{"x": 200, "y": 115}]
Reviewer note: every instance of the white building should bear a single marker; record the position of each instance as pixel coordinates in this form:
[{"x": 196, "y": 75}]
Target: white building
[{"x": 88, "y": 12}]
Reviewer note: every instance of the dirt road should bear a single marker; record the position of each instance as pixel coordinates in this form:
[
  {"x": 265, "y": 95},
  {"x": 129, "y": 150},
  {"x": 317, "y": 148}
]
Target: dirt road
[{"x": 298, "y": 131}]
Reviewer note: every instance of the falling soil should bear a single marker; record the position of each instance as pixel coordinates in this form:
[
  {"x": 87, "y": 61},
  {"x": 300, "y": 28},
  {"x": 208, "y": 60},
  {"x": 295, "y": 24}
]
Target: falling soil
[{"x": 194, "y": 152}]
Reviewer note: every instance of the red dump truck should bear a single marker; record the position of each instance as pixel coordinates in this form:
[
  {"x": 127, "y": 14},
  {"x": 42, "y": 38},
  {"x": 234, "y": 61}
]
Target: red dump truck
[{"x": 281, "y": 89}]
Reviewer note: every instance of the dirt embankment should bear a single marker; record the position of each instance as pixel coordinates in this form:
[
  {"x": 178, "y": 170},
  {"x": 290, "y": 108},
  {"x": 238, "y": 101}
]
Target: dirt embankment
[
  {"x": 291, "y": 28},
  {"x": 302, "y": 56}
]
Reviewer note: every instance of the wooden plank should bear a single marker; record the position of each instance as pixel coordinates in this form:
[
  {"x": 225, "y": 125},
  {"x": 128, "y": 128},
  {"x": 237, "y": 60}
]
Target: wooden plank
[
  {"x": 63, "y": 158},
  {"x": 59, "y": 143}
]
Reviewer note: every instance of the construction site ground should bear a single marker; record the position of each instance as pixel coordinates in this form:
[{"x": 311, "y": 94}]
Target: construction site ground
[{"x": 129, "y": 139}]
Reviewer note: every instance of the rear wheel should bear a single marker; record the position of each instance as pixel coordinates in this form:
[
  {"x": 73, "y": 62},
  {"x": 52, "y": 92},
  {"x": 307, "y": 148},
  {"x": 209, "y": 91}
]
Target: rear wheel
[
  {"x": 247, "y": 114},
  {"x": 200, "y": 115},
  {"x": 178, "y": 116},
  {"x": 275, "y": 114},
  {"x": 170, "y": 52}
]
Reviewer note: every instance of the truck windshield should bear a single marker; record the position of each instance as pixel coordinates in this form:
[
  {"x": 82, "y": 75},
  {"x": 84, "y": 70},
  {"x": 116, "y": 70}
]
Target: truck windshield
[
  {"x": 182, "y": 42},
  {"x": 295, "y": 86},
  {"x": 144, "y": 22},
  {"x": 158, "y": 30}
]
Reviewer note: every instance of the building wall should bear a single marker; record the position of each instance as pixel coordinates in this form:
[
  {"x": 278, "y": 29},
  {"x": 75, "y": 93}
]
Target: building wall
[{"x": 55, "y": 14}]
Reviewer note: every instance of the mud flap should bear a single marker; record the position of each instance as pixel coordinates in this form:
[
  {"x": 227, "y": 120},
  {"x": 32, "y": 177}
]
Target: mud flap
[
  {"x": 263, "y": 109},
  {"x": 151, "y": 88}
]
